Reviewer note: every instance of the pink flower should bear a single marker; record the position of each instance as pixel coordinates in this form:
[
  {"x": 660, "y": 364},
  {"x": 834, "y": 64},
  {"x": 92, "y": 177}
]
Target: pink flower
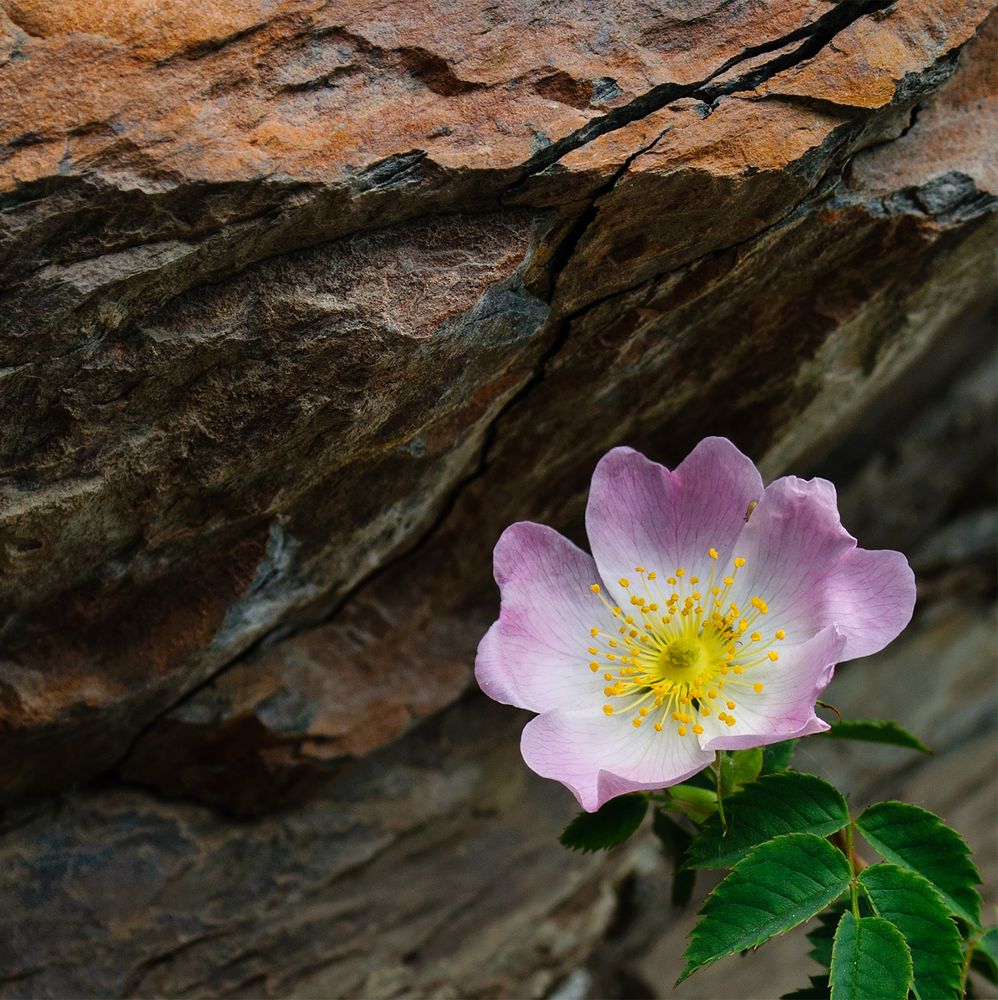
[{"x": 694, "y": 626}]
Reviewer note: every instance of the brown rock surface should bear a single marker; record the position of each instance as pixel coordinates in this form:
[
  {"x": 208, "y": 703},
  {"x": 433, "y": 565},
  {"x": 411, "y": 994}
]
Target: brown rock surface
[{"x": 302, "y": 303}]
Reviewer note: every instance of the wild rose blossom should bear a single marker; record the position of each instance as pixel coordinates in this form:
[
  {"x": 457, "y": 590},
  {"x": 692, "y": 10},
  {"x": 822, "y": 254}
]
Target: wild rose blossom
[{"x": 710, "y": 616}]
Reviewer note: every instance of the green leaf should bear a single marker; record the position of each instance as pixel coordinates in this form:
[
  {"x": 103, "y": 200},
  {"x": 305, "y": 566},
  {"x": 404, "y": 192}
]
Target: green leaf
[
  {"x": 917, "y": 839},
  {"x": 675, "y": 839},
  {"x": 820, "y": 989},
  {"x": 779, "y": 885},
  {"x": 777, "y": 756},
  {"x": 788, "y": 802},
  {"x": 821, "y": 937},
  {"x": 870, "y": 960},
  {"x": 738, "y": 767},
  {"x": 985, "y": 957},
  {"x": 917, "y": 910},
  {"x": 875, "y": 731},
  {"x": 608, "y": 827}
]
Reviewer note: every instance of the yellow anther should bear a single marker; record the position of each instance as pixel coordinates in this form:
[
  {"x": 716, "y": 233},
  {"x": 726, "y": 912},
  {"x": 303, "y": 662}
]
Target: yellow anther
[
  {"x": 594, "y": 587},
  {"x": 624, "y": 582},
  {"x": 730, "y": 720},
  {"x": 697, "y": 595},
  {"x": 739, "y": 562},
  {"x": 729, "y": 704},
  {"x": 639, "y": 569},
  {"x": 622, "y": 630},
  {"x": 671, "y": 580},
  {"x": 715, "y": 590},
  {"x": 780, "y": 634},
  {"x": 652, "y": 575},
  {"x": 594, "y": 666},
  {"x": 698, "y": 729},
  {"x": 608, "y": 709},
  {"x": 712, "y": 553},
  {"x": 677, "y": 717},
  {"x": 610, "y": 656},
  {"x": 705, "y": 710},
  {"x": 773, "y": 655},
  {"x": 629, "y": 619},
  {"x": 758, "y": 602},
  {"x": 757, "y": 687},
  {"x": 643, "y": 712},
  {"x": 609, "y": 692},
  {"x": 712, "y": 693},
  {"x": 729, "y": 580},
  {"x": 594, "y": 632},
  {"x": 636, "y": 723},
  {"x": 608, "y": 676},
  {"x": 658, "y": 727},
  {"x": 680, "y": 571},
  {"x": 593, "y": 650},
  {"x": 742, "y": 626},
  {"x": 694, "y": 579},
  {"x": 738, "y": 668},
  {"x": 722, "y": 716},
  {"x": 682, "y": 730}
]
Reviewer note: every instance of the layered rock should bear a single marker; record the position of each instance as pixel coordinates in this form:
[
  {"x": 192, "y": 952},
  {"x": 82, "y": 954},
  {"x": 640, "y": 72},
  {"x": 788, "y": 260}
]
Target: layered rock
[{"x": 303, "y": 303}]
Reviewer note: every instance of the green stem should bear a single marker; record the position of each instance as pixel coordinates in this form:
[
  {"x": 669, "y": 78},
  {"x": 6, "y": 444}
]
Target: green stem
[
  {"x": 853, "y": 884},
  {"x": 967, "y": 959},
  {"x": 720, "y": 793}
]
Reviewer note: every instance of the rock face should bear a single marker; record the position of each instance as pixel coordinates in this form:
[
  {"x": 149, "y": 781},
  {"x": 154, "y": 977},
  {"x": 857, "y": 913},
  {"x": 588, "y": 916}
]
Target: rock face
[{"x": 302, "y": 304}]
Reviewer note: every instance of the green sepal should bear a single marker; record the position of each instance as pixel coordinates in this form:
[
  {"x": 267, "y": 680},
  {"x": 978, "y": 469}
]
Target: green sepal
[
  {"x": 611, "y": 825},
  {"x": 916, "y": 839},
  {"x": 917, "y": 910},
  {"x": 875, "y": 731},
  {"x": 779, "y": 885},
  {"x": 697, "y": 803},
  {"x": 787, "y": 802},
  {"x": 777, "y": 756},
  {"x": 870, "y": 960},
  {"x": 738, "y": 767}
]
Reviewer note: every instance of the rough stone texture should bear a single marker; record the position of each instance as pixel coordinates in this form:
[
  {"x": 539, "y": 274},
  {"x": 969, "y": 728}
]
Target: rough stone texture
[{"x": 302, "y": 303}]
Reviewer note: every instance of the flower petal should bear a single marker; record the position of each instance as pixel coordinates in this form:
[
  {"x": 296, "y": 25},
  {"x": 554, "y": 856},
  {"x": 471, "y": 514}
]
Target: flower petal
[
  {"x": 806, "y": 567},
  {"x": 641, "y": 514},
  {"x": 784, "y": 709},
  {"x": 534, "y": 656},
  {"x": 598, "y": 758}
]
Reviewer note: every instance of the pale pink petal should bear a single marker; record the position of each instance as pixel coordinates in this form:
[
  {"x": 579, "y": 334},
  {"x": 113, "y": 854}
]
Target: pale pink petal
[
  {"x": 598, "y": 758},
  {"x": 806, "y": 567},
  {"x": 784, "y": 709},
  {"x": 641, "y": 514},
  {"x": 535, "y": 656}
]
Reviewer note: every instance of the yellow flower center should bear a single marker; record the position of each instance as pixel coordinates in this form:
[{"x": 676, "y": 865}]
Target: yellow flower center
[{"x": 681, "y": 649}]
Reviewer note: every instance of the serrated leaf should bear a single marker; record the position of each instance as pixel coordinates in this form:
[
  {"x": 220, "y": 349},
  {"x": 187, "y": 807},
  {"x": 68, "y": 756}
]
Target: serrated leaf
[
  {"x": 777, "y": 756},
  {"x": 779, "y": 885},
  {"x": 870, "y": 960},
  {"x": 609, "y": 826},
  {"x": 916, "y": 909},
  {"x": 675, "y": 839},
  {"x": 820, "y": 989},
  {"x": 875, "y": 731},
  {"x": 788, "y": 802},
  {"x": 985, "y": 957},
  {"x": 821, "y": 937},
  {"x": 917, "y": 839}
]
